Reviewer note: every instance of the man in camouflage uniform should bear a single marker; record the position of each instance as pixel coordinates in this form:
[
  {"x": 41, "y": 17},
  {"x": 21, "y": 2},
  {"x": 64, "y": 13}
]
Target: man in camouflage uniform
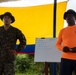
[{"x": 8, "y": 38}]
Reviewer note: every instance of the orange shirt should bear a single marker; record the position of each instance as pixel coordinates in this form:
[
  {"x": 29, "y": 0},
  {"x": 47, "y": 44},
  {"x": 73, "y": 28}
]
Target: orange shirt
[{"x": 67, "y": 37}]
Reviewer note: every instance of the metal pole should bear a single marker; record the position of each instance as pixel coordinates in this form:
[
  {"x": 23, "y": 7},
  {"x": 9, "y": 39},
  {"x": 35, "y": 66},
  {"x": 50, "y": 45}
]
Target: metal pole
[
  {"x": 54, "y": 21},
  {"x": 54, "y": 35}
]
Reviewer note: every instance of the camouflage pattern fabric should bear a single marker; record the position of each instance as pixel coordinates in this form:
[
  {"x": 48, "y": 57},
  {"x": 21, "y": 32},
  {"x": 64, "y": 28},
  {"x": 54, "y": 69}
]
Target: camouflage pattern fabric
[
  {"x": 8, "y": 40},
  {"x": 7, "y": 68}
]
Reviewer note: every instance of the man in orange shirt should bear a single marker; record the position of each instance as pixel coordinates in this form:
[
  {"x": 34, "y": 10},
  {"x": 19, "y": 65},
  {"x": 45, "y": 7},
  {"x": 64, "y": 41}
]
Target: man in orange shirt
[{"x": 66, "y": 43}]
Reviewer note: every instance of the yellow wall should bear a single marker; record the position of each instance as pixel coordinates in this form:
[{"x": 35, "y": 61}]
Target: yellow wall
[
  {"x": 36, "y": 21},
  {"x": 61, "y": 8}
]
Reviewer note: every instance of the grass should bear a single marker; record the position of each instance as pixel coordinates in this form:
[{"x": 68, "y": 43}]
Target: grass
[
  {"x": 25, "y": 74},
  {"x": 19, "y": 74}
]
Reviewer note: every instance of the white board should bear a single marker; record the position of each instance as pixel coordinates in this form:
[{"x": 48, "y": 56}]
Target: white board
[{"x": 46, "y": 51}]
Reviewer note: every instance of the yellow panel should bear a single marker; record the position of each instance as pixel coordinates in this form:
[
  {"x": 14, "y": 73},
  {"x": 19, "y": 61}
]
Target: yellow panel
[
  {"x": 35, "y": 22},
  {"x": 61, "y": 8}
]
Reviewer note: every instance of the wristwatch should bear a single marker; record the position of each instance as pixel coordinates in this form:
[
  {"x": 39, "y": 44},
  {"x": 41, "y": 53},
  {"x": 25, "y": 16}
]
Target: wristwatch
[{"x": 70, "y": 49}]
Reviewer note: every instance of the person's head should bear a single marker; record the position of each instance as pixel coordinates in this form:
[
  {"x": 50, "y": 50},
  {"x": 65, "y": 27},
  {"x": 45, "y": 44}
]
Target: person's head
[
  {"x": 7, "y": 18},
  {"x": 70, "y": 17}
]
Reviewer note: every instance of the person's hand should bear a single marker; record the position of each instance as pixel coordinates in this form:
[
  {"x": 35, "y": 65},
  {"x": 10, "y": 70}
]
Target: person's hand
[
  {"x": 10, "y": 55},
  {"x": 73, "y": 49},
  {"x": 11, "y": 52},
  {"x": 14, "y": 52},
  {"x": 66, "y": 49}
]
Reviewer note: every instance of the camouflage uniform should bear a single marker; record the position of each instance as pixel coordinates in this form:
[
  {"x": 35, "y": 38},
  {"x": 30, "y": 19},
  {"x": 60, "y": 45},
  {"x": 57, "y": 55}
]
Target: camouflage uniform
[{"x": 8, "y": 40}]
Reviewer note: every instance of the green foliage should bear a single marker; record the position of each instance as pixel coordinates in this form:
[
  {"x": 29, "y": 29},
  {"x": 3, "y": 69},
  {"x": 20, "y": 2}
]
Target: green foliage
[
  {"x": 22, "y": 63},
  {"x": 25, "y": 64}
]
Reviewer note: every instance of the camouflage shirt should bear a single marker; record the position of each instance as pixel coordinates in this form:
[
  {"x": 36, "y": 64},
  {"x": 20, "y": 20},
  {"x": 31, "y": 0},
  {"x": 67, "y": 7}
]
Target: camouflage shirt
[{"x": 8, "y": 39}]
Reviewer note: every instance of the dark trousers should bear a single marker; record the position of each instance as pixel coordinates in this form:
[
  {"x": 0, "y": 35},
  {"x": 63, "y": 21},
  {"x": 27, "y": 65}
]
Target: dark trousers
[
  {"x": 67, "y": 67},
  {"x": 7, "y": 68}
]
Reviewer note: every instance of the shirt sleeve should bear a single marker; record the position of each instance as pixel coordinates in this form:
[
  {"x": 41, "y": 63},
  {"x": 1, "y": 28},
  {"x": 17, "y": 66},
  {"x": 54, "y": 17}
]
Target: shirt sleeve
[
  {"x": 22, "y": 40},
  {"x": 59, "y": 41}
]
